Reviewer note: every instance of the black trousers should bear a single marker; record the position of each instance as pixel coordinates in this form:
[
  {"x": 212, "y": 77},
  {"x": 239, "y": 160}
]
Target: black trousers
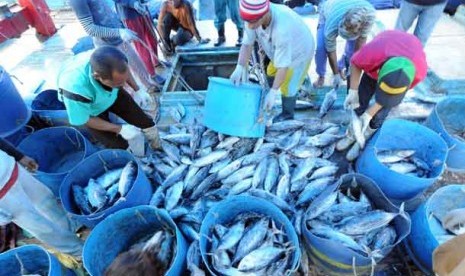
[
  {"x": 127, "y": 109},
  {"x": 182, "y": 35},
  {"x": 366, "y": 90}
]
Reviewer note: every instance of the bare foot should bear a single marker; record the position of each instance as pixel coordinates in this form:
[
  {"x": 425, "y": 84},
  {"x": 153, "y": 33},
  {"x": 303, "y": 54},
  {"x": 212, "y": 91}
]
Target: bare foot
[{"x": 319, "y": 82}]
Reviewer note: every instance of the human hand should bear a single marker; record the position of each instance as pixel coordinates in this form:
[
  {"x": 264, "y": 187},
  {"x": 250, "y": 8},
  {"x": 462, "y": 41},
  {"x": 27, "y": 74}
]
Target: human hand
[
  {"x": 352, "y": 100},
  {"x": 129, "y": 132},
  {"x": 239, "y": 75},
  {"x": 270, "y": 99},
  {"x": 29, "y": 163}
]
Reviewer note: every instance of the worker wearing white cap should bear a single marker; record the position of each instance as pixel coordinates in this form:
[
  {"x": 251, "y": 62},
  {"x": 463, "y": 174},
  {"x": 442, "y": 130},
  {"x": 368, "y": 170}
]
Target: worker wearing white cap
[{"x": 286, "y": 40}]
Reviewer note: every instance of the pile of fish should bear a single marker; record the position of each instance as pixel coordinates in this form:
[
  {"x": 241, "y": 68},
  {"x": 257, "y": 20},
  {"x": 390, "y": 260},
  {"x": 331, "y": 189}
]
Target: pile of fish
[
  {"x": 352, "y": 221},
  {"x": 161, "y": 245},
  {"x": 177, "y": 113},
  {"x": 404, "y": 162},
  {"x": 106, "y": 190},
  {"x": 251, "y": 243}
]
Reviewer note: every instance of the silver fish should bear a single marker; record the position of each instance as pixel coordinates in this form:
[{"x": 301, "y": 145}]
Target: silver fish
[
  {"x": 258, "y": 144},
  {"x": 229, "y": 169},
  {"x": 322, "y": 140},
  {"x": 384, "y": 238},
  {"x": 241, "y": 187},
  {"x": 109, "y": 178},
  {"x": 179, "y": 139},
  {"x": 240, "y": 174},
  {"x": 173, "y": 195},
  {"x": 328, "y": 102},
  {"x": 402, "y": 167},
  {"x": 260, "y": 258},
  {"x": 320, "y": 204},
  {"x": 324, "y": 172},
  {"x": 252, "y": 239},
  {"x": 190, "y": 173},
  {"x": 228, "y": 142},
  {"x": 304, "y": 151},
  {"x": 287, "y": 125},
  {"x": 313, "y": 190},
  {"x": 282, "y": 190},
  {"x": 210, "y": 158},
  {"x": 220, "y": 165},
  {"x": 128, "y": 175},
  {"x": 79, "y": 198},
  {"x": 176, "y": 175},
  {"x": 336, "y": 236},
  {"x": 283, "y": 164},
  {"x": 204, "y": 186},
  {"x": 283, "y": 205},
  {"x": 370, "y": 221},
  {"x": 393, "y": 156},
  {"x": 260, "y": 173},
  {"x": 343, "y": 210},
  {"x": 172, "y": 151},
  {"x": 232, "y": 237},
  {"x": 96, "y": 194},
  {"x": 328, "y": 151},
  {"x": 195, "y": 180},
  {"x": 256, "y": 157},
  {"x": 303, "y": 169},
  {"x": 290, "y": 142},
  {"x": 272, "y": 174},
  {"x": 158, "y": 197}
]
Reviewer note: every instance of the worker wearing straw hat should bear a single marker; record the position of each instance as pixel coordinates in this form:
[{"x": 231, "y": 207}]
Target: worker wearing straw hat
[
  {"x": 286, "y": 40},
  {"x": 392, "y": 63}
]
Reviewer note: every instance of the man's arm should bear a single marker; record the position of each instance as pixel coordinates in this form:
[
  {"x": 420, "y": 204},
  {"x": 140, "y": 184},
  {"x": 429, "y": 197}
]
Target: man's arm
[
  {"x": 100, "y": 124},
  {"x": 85, "y": 17},
  {"x": 192, "y": 25},
  {"x": 244, "y": 54},
  {"x": 161, "y": 17},
  {"x": 10, "y": 149}
]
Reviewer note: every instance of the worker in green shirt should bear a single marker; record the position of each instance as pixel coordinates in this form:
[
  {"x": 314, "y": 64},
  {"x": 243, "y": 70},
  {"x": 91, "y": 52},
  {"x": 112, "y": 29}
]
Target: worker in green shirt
[{"x": 91, "y": 87}]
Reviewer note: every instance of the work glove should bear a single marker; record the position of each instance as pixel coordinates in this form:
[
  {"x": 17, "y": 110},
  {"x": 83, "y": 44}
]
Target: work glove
[
  {"x": 127, "y": 35},
  {"x": 359, "y": 127},
  {"x": 143, "y": 99},
  {"x": 140, "y": 8},
  {"x": 239, "y": 75},
  {"x": 129, "y": 132},
  {"x": 352, "y": 101},
  {"x": 270, "y": 99},
  {"x": 29, "y": 163},
  {"x": 454, "y": 218},
  {"x": 337, "y": 80}
]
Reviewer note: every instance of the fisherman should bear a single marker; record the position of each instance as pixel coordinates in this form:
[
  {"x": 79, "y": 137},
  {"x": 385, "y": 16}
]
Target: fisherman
[
  {"x": 92, "y": 87},
  {"x": 271, "y": 25},
  {"x": 392, "y": 63},
  {"x": 350, "y": 19},
  {"x": 178, "y": 15},
  {"x": 30, "y": 204},
  {"x": 135, "y": 16},
  {"x": 100, "y": 21},
  {"x": 428, "y": 13},
  {"x": 220, "y": 19}
]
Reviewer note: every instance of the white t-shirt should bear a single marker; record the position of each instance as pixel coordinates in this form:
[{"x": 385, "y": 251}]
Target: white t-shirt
[
  {"x": 7, "y": 164},
  {"x": 287, "y": 41}
]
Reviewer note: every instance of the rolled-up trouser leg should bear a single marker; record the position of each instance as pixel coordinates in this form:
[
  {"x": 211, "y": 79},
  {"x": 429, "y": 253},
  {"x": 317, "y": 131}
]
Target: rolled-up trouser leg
[
  {"x": 366, "y": 90},
  {"x": 34, "y": 209}
]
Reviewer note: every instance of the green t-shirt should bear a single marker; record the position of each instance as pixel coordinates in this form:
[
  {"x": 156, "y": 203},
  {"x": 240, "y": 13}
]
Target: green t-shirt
[{"x": 76, "y": 77}]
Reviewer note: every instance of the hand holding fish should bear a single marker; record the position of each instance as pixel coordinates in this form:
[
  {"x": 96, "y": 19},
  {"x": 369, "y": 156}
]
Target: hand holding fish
[{"x": 29, "y": 163}]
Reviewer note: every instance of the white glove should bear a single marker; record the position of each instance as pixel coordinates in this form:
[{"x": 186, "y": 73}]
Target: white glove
[
  {"x": 129, "y": 132},
  {"x": 352, "y": 101},
  {"x": 359, "y": 126},
  {"x": 270, "y": 99},
  {"x": 143, "y": 99},
  {"x": 453, "y": 218},
  {"x": 239, "y": 75},
  {"x": 337, "y": 80},
  {"x": 127, "y": 35},
  {"x": 140, "y": 8}
]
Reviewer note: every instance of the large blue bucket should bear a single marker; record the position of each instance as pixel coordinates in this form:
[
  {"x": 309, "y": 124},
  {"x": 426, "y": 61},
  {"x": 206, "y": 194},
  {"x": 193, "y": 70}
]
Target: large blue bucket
[
  {"x": 119, "y": 231},
  {"x": 34, "y": 260},
  {"x": 57, "y": 150},
  {"x": 94, "y": 166},
  {"x": 226, "y": 210},
  {"x": 450, "y": 111},
  {"x": 335, "y": 259},
  {"x": 14, "y": 113},
  {"x": 48, "y": 108},
  {"x": 400, "y": 134},
  {"x": 233, "y": 110},
  {"x": 18, "y": 136},
  {"x": 422, "y": 241}
]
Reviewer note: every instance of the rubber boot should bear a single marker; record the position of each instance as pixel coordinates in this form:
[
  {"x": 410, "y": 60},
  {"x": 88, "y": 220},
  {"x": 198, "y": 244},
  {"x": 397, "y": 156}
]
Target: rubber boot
[
  {"x": 354, "y": 152},
  {"x": 347, "y": 141},
  {"x": 221, "y": 37},
  {"x": 288, "y": 104},
  {"x": 152, "y": 136},
  {"x": 240, "y": 34}
]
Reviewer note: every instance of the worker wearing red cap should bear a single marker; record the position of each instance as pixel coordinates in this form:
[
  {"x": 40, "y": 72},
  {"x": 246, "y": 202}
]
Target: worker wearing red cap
[
  {"x": 286, "y": 40},
  {"x": 392, "y": 63}
]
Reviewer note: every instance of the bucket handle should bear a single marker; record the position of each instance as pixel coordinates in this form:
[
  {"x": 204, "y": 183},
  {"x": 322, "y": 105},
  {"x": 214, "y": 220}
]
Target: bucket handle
[
  {"x": 105, "y": 165},
  {"x": 77, "y": 144},
  {"x": 373, "y": 264}
]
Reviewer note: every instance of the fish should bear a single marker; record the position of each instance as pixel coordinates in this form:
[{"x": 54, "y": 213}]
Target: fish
[
  {"x": 287, "y": 125},
  {"x": 96, "y": 194},
  {"x": 80, "y": 199},
  {"x": 322, "y": 140},
  {"x": 241, "y": 174},
  {"x": 290, "y": 142},
  {"x": 272, "y": 174},
  {"x": 109, "y": 178},
  {"x": 260, "y": 258},
  {"x": 252, "y": 239},
  {"x": 303, "y": 169},
  {"x": 204, "y": 186},
  {"x": 304, "y": 151},
  {"x": 210, "y": 158},
  {"x": 402, "y": 167},
  {"x": 384, "y": 238},
  {"x": 260, "y": 173},
  {"x": 241, "y": 187},
  {"x": 229, "y": 169},
  {"x": 128, "y": 176},
  {"x": 343, "y": 210},
  {"x": 324, "y": 172},
  {"x": 393, "y": 156},
  {"x": 283, "y": 164},
  {"x": 228, "y": 142},
  {"x": 281, "y": 204},
  {"x": 218, "y": 165},
  {"x": 338, "y": 237},
  {"x": 173, "y": 195},
  {"x": 321, "y": 204},
  {"x": 258, "y": 144},
  {"x": 158, "y": 197},
  {"x": 328, "y": 102},
  {"x": 112, "y": 192},
  {"x": 364, "y": 223},
  {"x": 172, "y": 151},
  {"x": 282, "y": 190},
  {"x": 176, "y": 175},
  {"x": 196, "y": 180},
  {"x": 313, "y": 190},
  {"x": 179, "y": 139},
  {"x": 232, "y": 237}
]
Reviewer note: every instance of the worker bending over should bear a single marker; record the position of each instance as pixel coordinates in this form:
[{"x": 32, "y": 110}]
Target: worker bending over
[
  {"x": 286, "y": 40},
  {"x": 92, "y": 87},
  {"x": 31, "y": 205},
  {"x": 392, "y": 63}
]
